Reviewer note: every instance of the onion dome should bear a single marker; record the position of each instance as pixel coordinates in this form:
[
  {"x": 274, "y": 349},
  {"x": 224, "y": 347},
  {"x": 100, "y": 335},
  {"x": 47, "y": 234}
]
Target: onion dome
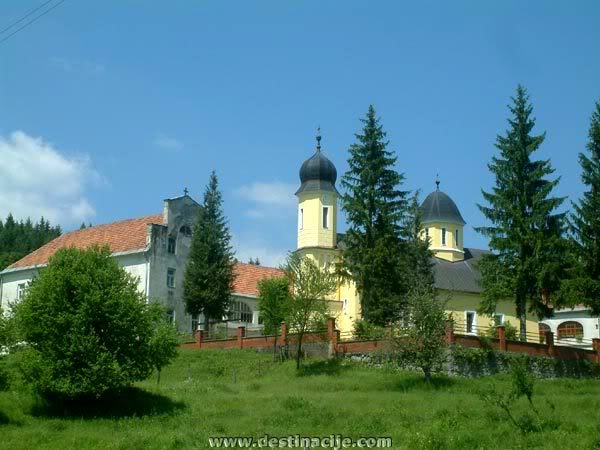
[
  {"x": 317, "y": 173},
  {"x": 439, "y": 207}
]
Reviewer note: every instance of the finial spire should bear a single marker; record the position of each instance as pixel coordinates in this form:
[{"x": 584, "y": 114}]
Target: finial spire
[
  {"x": 185, "y": 191},
  {"x": 437, "y": 181},
  {"x": 319, "y": 139}
]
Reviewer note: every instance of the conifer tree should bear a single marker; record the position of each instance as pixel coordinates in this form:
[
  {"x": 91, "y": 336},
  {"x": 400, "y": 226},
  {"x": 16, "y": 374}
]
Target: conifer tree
[
  {"x": 418, "y": 253},
  {"x": 376, "y": 211},
  {"x": 209, "y": 274},
  {"x": 584, "y": 286},
  {"x": 526, "y": 234}
]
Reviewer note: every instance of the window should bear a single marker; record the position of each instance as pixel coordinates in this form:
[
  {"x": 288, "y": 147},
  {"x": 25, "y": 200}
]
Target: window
[
  {"x": 456, "y": 238},
  {"x": 241, "y": 312},
  {"x": 542, "y": 329},
  {"x": 301, "y": 219},
  {"x": 171, "y": 245},
  {"x": 325, "y": 216},
  {"x": 171, "y": 278},
  {"x": 345, "y": 306},
  {"x": 195, "y": 323},
  {"x": 21, "y": 290},
  {"x": 470, "y": 321},
  {"x": 443, "y": 236},
  {"x": 426, "y": 233},
  {"x": 498, "y": 319},
  {"x": 185, "y": 230},
  {"x": 570, "y": 329},
  {"x": 170, "y": 316}
]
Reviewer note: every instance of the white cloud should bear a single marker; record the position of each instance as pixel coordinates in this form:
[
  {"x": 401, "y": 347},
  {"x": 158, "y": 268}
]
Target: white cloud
[
  {"x": 268, "y": 199},
  {"x": 167, "y": 142},
  {"x": 72, "y": 66},
  {"x": 37, "y": 180}
]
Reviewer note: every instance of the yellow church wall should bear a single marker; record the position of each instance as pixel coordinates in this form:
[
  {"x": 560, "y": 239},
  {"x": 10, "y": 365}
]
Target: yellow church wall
[
  {"x": 462, "y": 302},
  {"x": 310, "y": 219}
]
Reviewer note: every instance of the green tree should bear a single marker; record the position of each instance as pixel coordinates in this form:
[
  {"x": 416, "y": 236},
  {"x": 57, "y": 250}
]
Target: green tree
[
  {"x": 209, "y": 275},
  {"x": 376, "y": 213},
  {"x": 584, "y": 285},
  {"x": 88, "y": 328},
  {"x": 308, "y": 306},
  {"x": 419, "y": 339},
  {"x": 273, "y": 303},
  {"x": 526, "y": 234},
  {"x": 418, "y": 255}
]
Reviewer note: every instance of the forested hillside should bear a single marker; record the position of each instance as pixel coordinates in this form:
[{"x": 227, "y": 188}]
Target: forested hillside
[{"x": 17, "y": 239}]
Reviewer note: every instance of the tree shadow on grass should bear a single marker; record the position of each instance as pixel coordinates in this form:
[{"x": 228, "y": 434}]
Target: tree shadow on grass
[
  {"x": 415, "y": 382},
  {"x": 324, "y": 367},
  {"x": 4, "y": 419},
  {"x": 128, "y": 402}
]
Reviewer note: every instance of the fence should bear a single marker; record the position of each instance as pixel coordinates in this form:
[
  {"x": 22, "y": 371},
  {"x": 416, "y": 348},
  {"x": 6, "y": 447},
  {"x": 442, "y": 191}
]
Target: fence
[{"x": 347, "y": 343}]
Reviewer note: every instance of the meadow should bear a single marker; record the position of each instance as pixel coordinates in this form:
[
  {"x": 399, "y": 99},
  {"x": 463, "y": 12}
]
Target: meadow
[{"x": 243, "y": 393}]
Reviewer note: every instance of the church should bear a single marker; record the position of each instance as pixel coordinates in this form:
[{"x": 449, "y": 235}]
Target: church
[
  {"x": 155, "y": 249},
  {"x": 457, "y": 276}
]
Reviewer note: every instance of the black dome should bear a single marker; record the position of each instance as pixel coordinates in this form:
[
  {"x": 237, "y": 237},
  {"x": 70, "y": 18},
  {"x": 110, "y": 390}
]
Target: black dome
[
  {"x": 439, "y": 207},
  {"x": 317, "y": 174}
]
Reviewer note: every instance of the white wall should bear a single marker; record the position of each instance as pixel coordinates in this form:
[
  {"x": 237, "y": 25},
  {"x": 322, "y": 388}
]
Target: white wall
[{"x": 591, "y": 325}]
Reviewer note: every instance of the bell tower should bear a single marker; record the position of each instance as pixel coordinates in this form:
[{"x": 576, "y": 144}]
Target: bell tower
[
  {"x": 443, "y": 225},
  {"x": 317, "y": 202}
]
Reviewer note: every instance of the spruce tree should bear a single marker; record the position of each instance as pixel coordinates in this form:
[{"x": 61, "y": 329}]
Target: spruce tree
[
  {"x": 209, "y": 274},
  {"x": 526, "y": 234},
  {"x": 419, "y": 256},
  {"x": 584, "y": 286},
  {"x": 376, "y": 212}
]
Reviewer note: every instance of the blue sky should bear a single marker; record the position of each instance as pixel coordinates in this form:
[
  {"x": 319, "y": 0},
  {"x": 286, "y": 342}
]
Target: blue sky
[{"x": 109, "y": 107}]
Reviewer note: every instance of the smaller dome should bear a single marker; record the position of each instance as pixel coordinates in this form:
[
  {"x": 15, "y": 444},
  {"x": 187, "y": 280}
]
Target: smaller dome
[{"x": 439, "y": 207}]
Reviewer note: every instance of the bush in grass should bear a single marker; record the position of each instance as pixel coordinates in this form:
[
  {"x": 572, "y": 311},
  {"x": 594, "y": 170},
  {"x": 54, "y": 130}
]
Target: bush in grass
[{"x": 88, "y": 329}]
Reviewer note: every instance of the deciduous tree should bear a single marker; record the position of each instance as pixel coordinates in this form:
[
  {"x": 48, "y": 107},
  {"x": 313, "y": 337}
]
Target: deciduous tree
[{"x": 87, "y": 327}]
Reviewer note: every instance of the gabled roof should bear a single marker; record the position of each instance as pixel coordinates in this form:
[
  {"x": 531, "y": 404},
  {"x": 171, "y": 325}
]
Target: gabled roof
[
  {"x": 247, "y": 277},
  {"x": 124, "y": 236}
]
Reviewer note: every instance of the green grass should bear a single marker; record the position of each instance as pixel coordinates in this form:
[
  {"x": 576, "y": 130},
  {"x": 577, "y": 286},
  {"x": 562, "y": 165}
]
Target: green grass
[{"x": 206, "y": 393}]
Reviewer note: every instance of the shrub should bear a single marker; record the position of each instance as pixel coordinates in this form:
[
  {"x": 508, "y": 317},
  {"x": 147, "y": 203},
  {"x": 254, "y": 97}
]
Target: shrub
[
  {"x": 364, "y": 330},
  {"x": 88, "y": 329}
]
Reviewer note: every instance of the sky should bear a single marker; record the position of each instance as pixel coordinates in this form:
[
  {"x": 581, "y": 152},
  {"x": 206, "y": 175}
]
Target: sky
[{"x": 107, "y": 108}]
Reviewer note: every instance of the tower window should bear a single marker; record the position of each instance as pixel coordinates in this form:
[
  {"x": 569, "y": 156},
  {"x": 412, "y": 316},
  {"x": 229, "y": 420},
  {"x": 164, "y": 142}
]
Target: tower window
[
  {"x": 171, "y": 278},
  {"x": 456, "y": 240},
  {"x": 443, "y": 236},
  {"x": 171, "y": 245},
  {"x": 301, "y": 219},
  {"x": 325, "y": 216}
]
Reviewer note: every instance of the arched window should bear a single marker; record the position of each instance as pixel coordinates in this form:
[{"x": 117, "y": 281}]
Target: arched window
[
  {"x": 542, "y": 328},
  {"x": 185, "y": 230},
  {"x": 570, "y": 329},
  {"x": 241, "y": 312}
]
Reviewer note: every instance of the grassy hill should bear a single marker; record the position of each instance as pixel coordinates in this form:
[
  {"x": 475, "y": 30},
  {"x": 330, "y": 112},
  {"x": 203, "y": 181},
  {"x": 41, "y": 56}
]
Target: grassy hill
[{"x": 241, "y": 393}]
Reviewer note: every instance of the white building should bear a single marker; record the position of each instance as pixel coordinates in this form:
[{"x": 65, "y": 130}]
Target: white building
[
  {"x": 154, "y": 249},
  {"x": 572, "y": 326}
]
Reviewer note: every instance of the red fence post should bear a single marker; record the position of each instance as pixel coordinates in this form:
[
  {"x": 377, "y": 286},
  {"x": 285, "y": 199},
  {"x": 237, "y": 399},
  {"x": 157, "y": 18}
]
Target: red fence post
[
  {"x": 241, "y": 333},
  {"x": 284, "y": 332},
  {"x": 199, "y": 336},
  {"x": 596, "y": 348},
  {"x": 550, "y": 343},
  {"x": 449, "y": 332},
  {"x": 501, "y": 335},
  {"x": 331, "y": 336}
]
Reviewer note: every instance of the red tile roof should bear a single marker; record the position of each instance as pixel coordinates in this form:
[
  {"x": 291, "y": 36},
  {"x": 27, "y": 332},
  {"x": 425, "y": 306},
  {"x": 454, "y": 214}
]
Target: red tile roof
[
  {"x": 122, "y": 236},
  {"x": 247, "y": 277}
]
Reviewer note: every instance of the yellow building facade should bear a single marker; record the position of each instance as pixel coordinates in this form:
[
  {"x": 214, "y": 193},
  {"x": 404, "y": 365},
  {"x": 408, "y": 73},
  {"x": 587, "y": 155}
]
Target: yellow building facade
[{"x": 455, "y": 266}]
